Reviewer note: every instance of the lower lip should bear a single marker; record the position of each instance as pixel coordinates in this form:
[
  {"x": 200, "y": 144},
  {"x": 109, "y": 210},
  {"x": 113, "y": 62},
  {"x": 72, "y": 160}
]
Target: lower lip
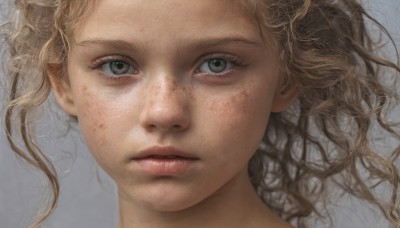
[{"x": 165, "y": 166}]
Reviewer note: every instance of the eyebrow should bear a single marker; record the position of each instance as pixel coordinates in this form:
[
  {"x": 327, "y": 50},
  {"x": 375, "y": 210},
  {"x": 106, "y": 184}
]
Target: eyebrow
[
  {"x": 207, "y": 43},
  {"x": 112, "y": 44},
  {"x": 196, "y": 44}
]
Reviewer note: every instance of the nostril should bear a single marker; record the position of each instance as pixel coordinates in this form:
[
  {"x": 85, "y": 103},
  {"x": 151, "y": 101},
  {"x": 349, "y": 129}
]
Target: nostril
[
  {"x": 177, "y": 126},
  {"x": 155, "y": 127},
  {"x": 151, "y": 127}
]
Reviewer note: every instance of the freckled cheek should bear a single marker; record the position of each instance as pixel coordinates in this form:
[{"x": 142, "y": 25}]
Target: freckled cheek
[
  {"x": 243, "y": 115},
  {"x": 98, "y": 127},
  {"x": 239, "y": 108},
  {"x": 91, "y": 114}
]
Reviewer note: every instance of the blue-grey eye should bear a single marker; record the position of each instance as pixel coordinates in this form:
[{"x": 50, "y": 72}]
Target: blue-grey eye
[
  {"x": 215, "y": 66},
  {"x": 117, "y": 68}
]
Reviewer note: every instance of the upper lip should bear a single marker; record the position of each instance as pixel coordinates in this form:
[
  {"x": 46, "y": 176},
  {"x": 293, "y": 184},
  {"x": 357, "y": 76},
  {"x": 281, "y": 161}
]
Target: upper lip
[{"x": 163, "y": 151}]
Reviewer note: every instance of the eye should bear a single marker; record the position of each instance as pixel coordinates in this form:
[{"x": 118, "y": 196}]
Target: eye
[
  {"x": 117, "y": 69},
  {"x": 215, "y": 66}
]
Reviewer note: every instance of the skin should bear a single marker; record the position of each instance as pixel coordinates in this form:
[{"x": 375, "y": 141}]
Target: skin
[{"x": 168, "y": 99}]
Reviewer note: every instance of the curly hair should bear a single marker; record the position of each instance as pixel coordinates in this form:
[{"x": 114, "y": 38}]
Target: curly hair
[
  {"x": 329, "y": 54},
  {"x": 325, "y": 138}
]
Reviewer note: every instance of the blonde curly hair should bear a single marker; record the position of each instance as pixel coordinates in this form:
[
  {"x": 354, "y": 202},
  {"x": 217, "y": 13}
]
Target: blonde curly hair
[{"x": 326, "y": 137}]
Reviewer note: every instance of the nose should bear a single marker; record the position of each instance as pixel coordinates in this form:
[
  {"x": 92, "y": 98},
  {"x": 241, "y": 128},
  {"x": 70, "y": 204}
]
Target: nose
[{"x": 165, "y": 108}]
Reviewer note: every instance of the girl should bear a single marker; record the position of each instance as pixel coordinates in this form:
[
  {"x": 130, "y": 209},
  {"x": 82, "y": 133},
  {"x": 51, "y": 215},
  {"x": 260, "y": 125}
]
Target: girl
[{"x": 210, "y": 113}]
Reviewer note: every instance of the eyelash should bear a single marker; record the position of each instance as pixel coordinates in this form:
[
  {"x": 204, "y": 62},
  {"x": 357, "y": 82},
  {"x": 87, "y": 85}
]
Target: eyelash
[
  {"x": 232, "y": 61},
  {"x": 98, "y": 65}
]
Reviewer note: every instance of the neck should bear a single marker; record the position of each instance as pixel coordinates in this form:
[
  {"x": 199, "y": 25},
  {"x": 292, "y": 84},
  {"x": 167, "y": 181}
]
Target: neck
[{"x": 232, "y": 206}]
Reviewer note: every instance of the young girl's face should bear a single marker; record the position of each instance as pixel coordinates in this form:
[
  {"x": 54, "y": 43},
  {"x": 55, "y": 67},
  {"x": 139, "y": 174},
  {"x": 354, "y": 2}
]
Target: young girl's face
[{"x": 172, "y": 97}]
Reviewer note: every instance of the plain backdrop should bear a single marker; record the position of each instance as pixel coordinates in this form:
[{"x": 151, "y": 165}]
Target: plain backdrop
[{"x": 88, "y": 196}]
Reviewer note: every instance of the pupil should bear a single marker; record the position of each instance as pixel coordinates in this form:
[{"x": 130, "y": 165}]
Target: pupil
[
  {"x": 217, "y": 65},
  {"x": 119, "y": 67}
]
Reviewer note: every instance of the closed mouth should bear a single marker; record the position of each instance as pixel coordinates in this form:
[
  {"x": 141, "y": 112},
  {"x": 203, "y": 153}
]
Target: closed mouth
[
  {"x": 163, "y": 152},
  {"x": 167, "y": 157},
  {"x": 165, "y": 161}
]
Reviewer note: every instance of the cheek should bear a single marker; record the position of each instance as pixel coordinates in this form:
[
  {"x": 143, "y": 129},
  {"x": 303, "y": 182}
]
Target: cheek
[
  {"x": 232, "y": 106},
  {"x": 245, "y": 109},
  {"x": 91, "y": 113},
  {"x": 96, "y": 124},
  {"x": 241, "y": 118}
]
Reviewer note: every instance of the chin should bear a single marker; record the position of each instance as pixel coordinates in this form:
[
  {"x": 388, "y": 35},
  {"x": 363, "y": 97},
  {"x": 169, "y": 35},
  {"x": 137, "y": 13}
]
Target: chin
[
  {"x": 163, "y": 199},
  {"x": 169, "y": 203}
]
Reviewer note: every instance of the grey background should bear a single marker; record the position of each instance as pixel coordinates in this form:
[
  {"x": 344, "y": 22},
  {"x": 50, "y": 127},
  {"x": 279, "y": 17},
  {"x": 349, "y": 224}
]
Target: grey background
[{"x": 88, "y": 196}]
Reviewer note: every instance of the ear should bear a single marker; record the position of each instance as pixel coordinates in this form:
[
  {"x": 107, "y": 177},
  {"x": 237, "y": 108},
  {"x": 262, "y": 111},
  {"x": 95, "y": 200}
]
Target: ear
[
  {"x": 62, "y": 89},
  {"x": 285, "y": 95}
]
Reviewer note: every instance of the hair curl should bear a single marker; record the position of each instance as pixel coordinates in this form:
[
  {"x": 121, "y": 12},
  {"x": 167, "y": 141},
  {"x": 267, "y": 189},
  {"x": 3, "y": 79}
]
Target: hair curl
[{"x": 325, "y": 137}]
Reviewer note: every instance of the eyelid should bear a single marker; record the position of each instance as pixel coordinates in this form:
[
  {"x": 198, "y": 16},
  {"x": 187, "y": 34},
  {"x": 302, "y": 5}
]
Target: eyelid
[
  {"x": 233, "y": 59},
  {"x": 97, "y": 66},
  {"x": 110, "y": 58},
  {"x": 225, "y": 56}
]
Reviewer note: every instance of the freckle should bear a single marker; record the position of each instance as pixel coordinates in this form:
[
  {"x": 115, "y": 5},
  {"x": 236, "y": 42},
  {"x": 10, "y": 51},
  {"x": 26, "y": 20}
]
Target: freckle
[
  {"x": 188, "y": 93},
  {"x": 84, "y": 90},
  {"x": 236, "y": 104},
  {"x": 174, "y": 85},
  {"x": 94, "y": 129},
  {"x": 244, "y": 94},
  {"x": 243, "y": 99}
]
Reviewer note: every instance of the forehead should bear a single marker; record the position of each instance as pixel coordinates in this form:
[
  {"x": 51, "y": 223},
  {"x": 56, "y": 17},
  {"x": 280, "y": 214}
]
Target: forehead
[{"x": 179, "y": 19}]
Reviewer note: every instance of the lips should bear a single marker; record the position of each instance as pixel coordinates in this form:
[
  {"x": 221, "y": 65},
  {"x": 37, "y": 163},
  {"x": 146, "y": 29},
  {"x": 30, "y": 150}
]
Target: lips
[
  {"x": 165, "y": 157},
  {"x": 159, "y": 152},
  {"x": 164, "y": 161}
]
